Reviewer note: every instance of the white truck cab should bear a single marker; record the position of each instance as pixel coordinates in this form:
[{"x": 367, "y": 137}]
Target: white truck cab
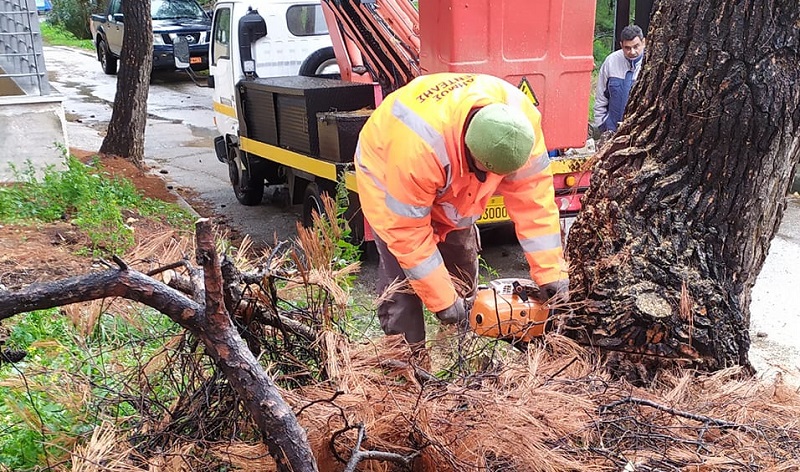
[{"x": 271, "y": 38}]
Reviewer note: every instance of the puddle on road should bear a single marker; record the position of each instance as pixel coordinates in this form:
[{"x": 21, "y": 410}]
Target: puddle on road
[
  {"x": 202, "y": 142},
  {"x": 170, "y": 133},
  {"x": 201, "y": 132},
  {"x": 87, "y": 94}
]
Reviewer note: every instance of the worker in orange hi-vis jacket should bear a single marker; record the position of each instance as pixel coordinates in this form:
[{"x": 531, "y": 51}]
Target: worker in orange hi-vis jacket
[{"x": 427, "y": 162}]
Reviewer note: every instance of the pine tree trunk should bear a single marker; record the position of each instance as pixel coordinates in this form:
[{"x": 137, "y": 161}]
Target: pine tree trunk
[
  {"x": 125, "y": 137},
  {"x": 687, "y": 197}
]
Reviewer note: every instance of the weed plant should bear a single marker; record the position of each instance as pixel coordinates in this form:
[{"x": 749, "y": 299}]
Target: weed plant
[{"x": 89, "y": 198}]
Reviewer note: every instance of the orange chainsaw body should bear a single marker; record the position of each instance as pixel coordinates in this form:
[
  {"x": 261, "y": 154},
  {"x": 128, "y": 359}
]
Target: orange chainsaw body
[{"x": 508, "y": 309}]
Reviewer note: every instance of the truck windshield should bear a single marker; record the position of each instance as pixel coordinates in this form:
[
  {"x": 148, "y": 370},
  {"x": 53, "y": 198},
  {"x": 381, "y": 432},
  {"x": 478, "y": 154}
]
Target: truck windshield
[{"x": 175, "y": 9}]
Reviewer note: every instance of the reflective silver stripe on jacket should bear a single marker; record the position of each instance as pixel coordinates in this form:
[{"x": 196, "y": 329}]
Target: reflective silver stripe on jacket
[
  {"x": 366, "y": 171},
  {"x": 514, "y": 96},
  {"x": 426, "y": 132},
  {"x": 467, "y": 221},
  {"x": 398, "y": 207},
  {"x": 541, "y": 243},
  {"x": 535, "y": 166},
  {"x": 459, "y": 221},
  {"x": 405, "y": 209},
  {"x": 426, "y": 267}
]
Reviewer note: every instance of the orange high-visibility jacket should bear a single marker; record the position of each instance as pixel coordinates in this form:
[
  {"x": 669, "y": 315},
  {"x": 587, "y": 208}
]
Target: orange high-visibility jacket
[{"x": 415, "y": 185}]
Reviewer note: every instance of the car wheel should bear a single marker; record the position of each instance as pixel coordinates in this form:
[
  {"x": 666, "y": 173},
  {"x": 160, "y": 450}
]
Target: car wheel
[
  {"x": 107, "y": 60},
  {"x": 248, "y": 186}
]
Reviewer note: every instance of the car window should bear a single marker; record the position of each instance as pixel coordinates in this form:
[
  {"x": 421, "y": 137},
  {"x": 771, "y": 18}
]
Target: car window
[
  {"x": 221, "y": 47},
  {"x": 175, "y": 9},
  {"x": 306, "y": 20},
  {"x": 116, "y": 7}
]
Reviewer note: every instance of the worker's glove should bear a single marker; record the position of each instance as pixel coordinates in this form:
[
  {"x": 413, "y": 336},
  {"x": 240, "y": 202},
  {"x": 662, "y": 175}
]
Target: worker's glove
[
  {"x": 554, "y": 292},
  {"x": 454, "y": 314}
]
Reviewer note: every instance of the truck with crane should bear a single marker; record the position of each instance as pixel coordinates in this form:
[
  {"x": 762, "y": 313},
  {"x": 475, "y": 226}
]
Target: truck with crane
[{"x": 297, "y": 128}]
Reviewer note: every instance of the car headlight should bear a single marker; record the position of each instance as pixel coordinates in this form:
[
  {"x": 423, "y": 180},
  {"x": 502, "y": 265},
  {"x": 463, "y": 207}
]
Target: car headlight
[
  {"x": 158, "y": 40},
  {"x": 204, "y": 37}
]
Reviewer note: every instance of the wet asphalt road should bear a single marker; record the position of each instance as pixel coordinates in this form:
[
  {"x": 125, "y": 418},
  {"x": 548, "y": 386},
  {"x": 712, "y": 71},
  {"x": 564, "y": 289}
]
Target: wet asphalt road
[{"x": 179, "y": 145}]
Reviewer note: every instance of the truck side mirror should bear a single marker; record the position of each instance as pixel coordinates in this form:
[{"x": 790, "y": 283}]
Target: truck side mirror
[
  {"x": 252, "y": 27},
  {"x": 180, "y": 51},
  {"x": 182, "y": 57}
]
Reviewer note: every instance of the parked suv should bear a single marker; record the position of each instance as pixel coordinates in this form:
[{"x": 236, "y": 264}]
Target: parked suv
[{"x": 171, "y": 18}]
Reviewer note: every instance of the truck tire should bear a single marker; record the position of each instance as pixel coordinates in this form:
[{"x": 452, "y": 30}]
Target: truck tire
[
  {"x": 247, "y": 182},
  {"x": 318, "y": 61},
  {"x": 312, "y": 203},
  {"x": 107, "y": 60}
]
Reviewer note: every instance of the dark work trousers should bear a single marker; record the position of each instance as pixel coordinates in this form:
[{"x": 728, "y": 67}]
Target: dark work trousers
[{"x": 402, "y": 312}]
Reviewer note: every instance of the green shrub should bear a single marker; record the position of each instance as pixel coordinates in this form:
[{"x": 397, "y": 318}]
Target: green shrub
[
  {"x": 73, "y": 16},
  {"x": 70, "y": 381},
  {"x": 603, "y": 31}
]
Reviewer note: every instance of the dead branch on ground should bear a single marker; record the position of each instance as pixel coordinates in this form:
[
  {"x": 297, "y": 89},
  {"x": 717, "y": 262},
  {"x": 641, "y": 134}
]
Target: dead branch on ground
[{"x": 207, "y": 319}]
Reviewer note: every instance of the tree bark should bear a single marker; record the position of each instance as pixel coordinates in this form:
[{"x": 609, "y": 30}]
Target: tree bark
[
  {"x": 125, "y": 137},
  {"x": 286, "y": 440},
  {"x": 688, "y": 195}
]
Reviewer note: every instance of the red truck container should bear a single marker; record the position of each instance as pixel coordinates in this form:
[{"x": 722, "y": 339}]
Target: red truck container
[{"x": 542, "y": 46}]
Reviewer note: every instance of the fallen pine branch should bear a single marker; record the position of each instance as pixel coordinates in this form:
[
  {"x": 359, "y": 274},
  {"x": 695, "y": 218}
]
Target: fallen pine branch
[
  {"x": 672, "y": 411},
  {"x": 208, "y": 320}
]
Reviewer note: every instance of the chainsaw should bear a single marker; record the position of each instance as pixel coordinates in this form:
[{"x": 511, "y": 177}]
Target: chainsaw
[{"x": 508, "y": 309}]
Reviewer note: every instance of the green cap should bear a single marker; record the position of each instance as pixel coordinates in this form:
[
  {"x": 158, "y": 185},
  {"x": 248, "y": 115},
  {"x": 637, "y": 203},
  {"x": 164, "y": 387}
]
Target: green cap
[{"x": 500, "y": 138}]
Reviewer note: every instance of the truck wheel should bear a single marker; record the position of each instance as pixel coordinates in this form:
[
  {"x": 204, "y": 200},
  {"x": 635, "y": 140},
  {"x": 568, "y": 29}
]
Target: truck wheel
[
  {"x": 107, "y": 60},
  {"x": 248, "y": 186},
  {"x": 312, "y": 203},
  {"x": 320, "y": 62}
]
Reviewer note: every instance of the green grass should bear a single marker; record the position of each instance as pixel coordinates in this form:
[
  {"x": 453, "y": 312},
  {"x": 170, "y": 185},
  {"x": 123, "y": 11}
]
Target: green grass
[
  {"x": 69, "y": 382},
  {"x": 87, "y": 197},
  {"x": 57, "y": 36}
]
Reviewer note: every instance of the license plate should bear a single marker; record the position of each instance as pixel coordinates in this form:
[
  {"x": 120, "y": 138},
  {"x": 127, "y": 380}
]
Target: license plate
[
  {"x": 495, "y": 212},
  {"x": 195, "y": 60}
]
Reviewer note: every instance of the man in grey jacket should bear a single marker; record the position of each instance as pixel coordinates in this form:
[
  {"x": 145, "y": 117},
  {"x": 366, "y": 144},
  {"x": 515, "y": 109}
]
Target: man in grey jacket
[{"x": 617, "y": 75}]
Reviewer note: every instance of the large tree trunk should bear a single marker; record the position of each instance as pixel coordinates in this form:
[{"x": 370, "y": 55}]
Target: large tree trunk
[
  {"x": 688, "y": 195},
  {"x": 125, "y": 137}
]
